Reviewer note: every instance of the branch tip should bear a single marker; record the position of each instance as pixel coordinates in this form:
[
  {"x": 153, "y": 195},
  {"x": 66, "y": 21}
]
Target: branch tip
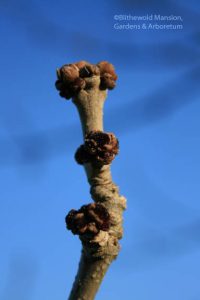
[{"x": 71, "y": 78}]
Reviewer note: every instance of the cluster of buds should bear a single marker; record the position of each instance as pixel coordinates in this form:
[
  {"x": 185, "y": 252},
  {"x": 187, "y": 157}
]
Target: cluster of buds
[
  {"x": 107, "y": 75},
  {"x": 99, "y": 148},
  {"x": 71, "y": 77},
  {"x": 89, "y": 219}
]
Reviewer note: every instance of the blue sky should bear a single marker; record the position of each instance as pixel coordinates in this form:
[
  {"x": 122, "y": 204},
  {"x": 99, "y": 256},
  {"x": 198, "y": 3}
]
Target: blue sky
[{"x": 154, "y": 111}]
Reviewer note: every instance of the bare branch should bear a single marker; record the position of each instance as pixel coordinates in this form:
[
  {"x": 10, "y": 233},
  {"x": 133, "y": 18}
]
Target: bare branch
[{"x": 99, "y": 225}]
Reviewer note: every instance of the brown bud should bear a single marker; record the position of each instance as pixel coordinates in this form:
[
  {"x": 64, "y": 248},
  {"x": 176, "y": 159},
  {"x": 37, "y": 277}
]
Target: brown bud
[
  {"x": 94, "y": 69},
  {"x": 107, "y": 82},
  {"x": 89, "y": 219},
  {"x": 81, "y": 156},
  {"x": 101, "y": 146},
  {"x": 59, "y": 84},
  {"x": 98, "y": 213},
  {"x": 69, "y": 73},
  {"x": 89, "y": 70},
  {"x": 106, "y": 67},
  {"x": 108, "y": 75},
  {"x": 69, "y": 82},
  {"x": 65, "y": 90}
]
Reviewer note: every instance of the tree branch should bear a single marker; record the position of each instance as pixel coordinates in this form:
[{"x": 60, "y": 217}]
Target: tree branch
[{"x": 99, "y": 225}]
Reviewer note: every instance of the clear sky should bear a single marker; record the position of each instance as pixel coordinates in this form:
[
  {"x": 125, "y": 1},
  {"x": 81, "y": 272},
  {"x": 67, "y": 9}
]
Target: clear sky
[{"x": 154, "y": 111}]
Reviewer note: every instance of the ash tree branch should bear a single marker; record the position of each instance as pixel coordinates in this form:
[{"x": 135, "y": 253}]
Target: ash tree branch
[{"x": 98, "y": 224}]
